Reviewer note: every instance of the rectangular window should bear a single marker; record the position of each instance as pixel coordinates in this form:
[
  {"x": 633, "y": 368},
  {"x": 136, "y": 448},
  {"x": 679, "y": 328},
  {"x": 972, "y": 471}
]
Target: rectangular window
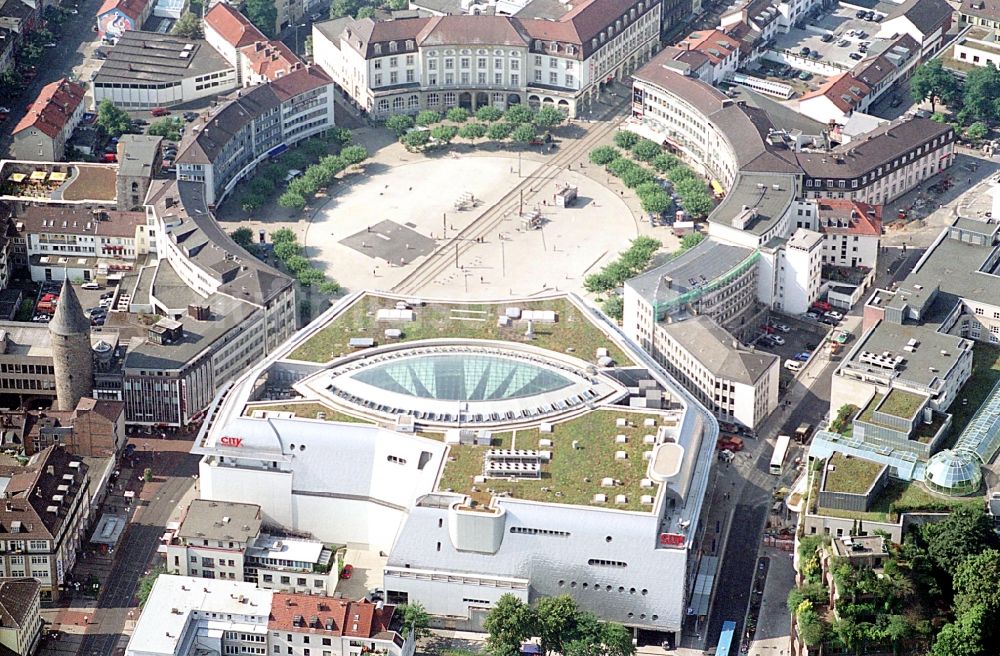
[
  {"x": 553, "y": 77},
  {"x": 481, "y": 62},
  {"x": 498, "y": 78}
]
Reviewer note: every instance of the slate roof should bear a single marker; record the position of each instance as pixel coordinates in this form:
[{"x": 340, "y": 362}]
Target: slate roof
[
  {"x": 714, "y": 348},
  {"x": 69, "y": 318},
  {"x": 988, "y": 9},
  {"x": 471, "y": 30},
  {"x": 17, "y": 597},
  {"x": 926, "y": 15},
  {"x": 844, "y": 91}
]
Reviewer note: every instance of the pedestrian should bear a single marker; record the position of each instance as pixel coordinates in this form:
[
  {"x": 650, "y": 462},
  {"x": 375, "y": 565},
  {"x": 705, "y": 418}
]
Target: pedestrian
[{"x": 480, "y": 279}]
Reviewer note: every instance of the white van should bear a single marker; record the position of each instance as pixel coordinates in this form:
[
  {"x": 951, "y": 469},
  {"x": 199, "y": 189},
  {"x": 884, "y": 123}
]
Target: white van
[{"x": 793, "y": 365}]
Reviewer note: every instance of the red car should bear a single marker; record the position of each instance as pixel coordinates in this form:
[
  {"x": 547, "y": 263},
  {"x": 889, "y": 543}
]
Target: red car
[
  {"x": 347, "y": 571},
  {"x": 109, "y": 158},
  {"x": 160, "y": 111}
]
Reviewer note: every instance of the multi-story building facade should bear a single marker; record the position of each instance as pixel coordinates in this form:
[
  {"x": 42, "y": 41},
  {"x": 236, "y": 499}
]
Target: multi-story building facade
[
  {"x": 48, "y": 124},
  {"x": 409, "y": 64},
  {"x": 20, "y": 608},
  {"x": 255, "y": 58},
  {"x": 45, "y": 518},
  {"x": 231, "y": 141},
  {"x": 852, "y": 231},
  {"x": 185, "y": 616}
]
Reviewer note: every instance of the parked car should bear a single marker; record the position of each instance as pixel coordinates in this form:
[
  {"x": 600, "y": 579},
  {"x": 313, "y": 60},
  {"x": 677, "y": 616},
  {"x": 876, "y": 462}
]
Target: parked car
[
  {"x": 803, "y": 356},
  {"x": 822, "y": 306},
  {"x": 856, "y": 56},
  {"x": 843, "y": 43},
  {"x": 347, "y": 572},
  {"x": 110, "y": 158},
  {"x": 804, "y": 52},
  {"x": 793, "y": 365},
  {"x": 160, "y": 111},
  {"x": 860, "y": 14},
  {"x": 833, "y": 314},
  {"x": 812, "y": 315},
  {"x": 778, "y": 339},
  {"x": 805, "y": 76},
  {"x": 107, "y": 295},
  {"x": 91, "y": 285},
  {"x": 782, "y": 327},
  {"x": 826, "y": 38},
  {"x": 190, "y": 116}
]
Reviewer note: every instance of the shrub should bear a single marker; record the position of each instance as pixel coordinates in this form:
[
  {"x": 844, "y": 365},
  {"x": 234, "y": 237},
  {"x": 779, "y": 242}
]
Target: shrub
[
  {"x": 428, "y": 117},
  {"x": 458, "y": 115}
]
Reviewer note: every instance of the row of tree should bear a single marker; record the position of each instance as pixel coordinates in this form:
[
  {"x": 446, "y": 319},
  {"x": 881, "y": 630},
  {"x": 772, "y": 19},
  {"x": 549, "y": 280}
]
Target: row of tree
[
  {"x": 973, "y": 101},
  {"x": 364, "y": 8},
  {"x": 519, "y": 124},
  {"x": 629, "y": 264},
  {"x": 319, "y": 176},
  {"x": 290, "y": 253},
  {"x": 561, "y": 625}
]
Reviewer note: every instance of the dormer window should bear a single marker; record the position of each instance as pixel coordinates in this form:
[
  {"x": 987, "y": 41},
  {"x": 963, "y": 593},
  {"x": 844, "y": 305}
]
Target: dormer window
[
  {"x": 378, "y": 48},
  {"x": 554, "y": 47},
  {"x": 392, "y": 46},
  {"x": 538, "y": 44},
  {"x": 593, "y": 43},
  {"x": 569, "y": 49},
  {"x": 641, "y": 6},
  {"x": 409, "y": 44},
  {"x": 631, "y": 13},
  {"x": 603, "y": 36}
]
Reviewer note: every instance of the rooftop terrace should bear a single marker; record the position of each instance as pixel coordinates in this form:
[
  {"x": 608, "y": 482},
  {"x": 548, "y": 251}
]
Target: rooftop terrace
[
  {"x": 572, "y": 333},
  {"x": 902, "y": 404},
  {"x": 573, "y": 475},
  {"x": 851, "y": 475}
]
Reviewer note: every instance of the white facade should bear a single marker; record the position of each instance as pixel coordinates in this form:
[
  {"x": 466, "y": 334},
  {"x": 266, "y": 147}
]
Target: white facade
[
  {"x": 803, "y": 266},
  {"x": 138, "y": 95}
]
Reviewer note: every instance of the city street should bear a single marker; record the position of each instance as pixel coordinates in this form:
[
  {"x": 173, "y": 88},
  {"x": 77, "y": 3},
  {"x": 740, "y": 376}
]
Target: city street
[
  {"x": 96, "y": 629},
  {"x": 73, "y": 57}
]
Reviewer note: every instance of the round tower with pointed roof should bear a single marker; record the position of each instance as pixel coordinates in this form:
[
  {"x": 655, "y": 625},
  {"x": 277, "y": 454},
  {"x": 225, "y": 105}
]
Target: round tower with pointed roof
[{"x": 72, "y": 359}]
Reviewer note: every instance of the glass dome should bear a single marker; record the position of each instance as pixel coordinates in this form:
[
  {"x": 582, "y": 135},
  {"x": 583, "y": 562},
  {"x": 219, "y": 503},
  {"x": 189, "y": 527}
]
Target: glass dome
[
  {"x": 465, "y": 377},
  {"x": 955, "y": 473}
]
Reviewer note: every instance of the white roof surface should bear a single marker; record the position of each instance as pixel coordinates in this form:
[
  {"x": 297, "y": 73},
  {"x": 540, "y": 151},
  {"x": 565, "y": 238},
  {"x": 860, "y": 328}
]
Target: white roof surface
[
  {"x": 167, "y": 614},
  {"x": 302, "y": 551}
]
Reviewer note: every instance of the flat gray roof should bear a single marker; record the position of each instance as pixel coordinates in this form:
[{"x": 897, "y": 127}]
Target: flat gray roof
[
  {"x": 917, "y": 365},
  {"x": 149, "y": 57},
  {"x": 718, "y": 351},
  {"x": 756, "y": 191},
  {"x": 139, "y": 153},
  {"x": 958, "y": 267},
  {"x": 689, "y": 270},
  {"x": 220, "y": 520}
]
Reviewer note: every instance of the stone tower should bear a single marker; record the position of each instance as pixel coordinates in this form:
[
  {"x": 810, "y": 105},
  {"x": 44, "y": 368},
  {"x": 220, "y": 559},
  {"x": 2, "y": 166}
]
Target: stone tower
[{"x": 72, "y": 358}]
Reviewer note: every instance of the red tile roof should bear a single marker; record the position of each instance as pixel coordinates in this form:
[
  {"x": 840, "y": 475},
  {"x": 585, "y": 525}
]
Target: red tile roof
[
  {"x": 270, "y": 59},
  {"x": 838, "y": 216},
  {"x": 134, "y": 9},
  {"x": 300, "y": 80},
  {"x": 845, "y": 91},
  {"x": 232, "y": 26},
  {"x": 303, "y": 613},
  {"x": 714, "y": 44},
  {"x": 53, "y": 107}
]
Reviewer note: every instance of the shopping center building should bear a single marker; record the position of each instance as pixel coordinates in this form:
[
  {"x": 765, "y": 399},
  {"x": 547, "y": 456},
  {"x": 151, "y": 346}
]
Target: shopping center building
[{"x": 522, "y": 447}]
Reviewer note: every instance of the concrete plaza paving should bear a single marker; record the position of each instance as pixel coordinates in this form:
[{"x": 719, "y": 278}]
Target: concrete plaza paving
[{"x": 380, "y": 225}]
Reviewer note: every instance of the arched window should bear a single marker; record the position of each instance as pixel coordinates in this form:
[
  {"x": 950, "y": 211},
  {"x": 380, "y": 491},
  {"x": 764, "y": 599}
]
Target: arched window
[
  {"x": 398, "y": 102},
  {"x": 392, "y": 46},
  {"x": 413, "y": 102},
  {"x": 409, "y": 44},
  {"x": 378, "y": 48},
  {"x": 383, "y": 106}
]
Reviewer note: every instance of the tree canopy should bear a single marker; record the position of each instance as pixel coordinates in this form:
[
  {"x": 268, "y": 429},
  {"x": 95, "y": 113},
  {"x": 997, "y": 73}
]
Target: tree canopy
[
  {"x": 625, "y": 139},
  {"x": 263, "y": 14},
  {"x": 932, "y": 82},
  {"x": 399, "y": 123},
  {"x": 604, "y": 155},
  {"x": 489, "y": 114},
  {"x": 114, "y": 121}
]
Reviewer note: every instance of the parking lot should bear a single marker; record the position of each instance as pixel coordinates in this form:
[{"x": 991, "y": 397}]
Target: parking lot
[
  {"x": 833, "y": 37},
  {"x": 90, "y": 301},
  {"x": 802, "y": 337}
]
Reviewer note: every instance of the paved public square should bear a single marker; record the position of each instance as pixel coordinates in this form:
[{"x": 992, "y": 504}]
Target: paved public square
[{"x": 378, "y": 227}]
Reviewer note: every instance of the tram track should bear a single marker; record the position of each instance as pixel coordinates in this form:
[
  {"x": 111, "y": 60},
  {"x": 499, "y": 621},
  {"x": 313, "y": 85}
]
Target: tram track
[{"x": 446, "y": 254}]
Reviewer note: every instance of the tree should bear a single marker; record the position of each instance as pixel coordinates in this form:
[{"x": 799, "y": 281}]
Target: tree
[
  {"x": 353, "y": 155},
  {"x": 146, "y": 584},
  {"x": 614, "y": 307},
  {"x": 977, "y": 131},
  {"x": 283, "y": 236},
  {"x": 625, "y": 139},
  {"x": 309, "y": 276},
  {"x": 489, "y": 114},
  {"x": 963, "y": 637},
  {"x": 286, "y": 250},
  {"x": 114, "y": 121},
  {"x": 967, "y": 531},
  {"x": 243, "y": 238},
  {"x": 548, "y": 117},
  {"x": 292, "y": 201},
  {"x": 499, "y": 131},
  {"x": 646, "y": 150},
  {"x": 334, "y": 164},
  {"x": 263, "y": 14},
  {"x": 932, "y": 82},
  {"x": 691, "y": 240},
  {"x": 10, "y": 82},
  {"x": 147, "y": 475},
  {"x": 329, "y": 287},
  {"x": 604, "y": 155},
  {"x": 664, "y": 162},
  {"x": 516, "y": 114},
  {"x": 981, "y": 89},
  {"x": 188, "y": 26},
  {"x": 428, "y": 117},
  {"x": 680, "y": 173},
  {"x": 635, "y": 176},
  {"x": 699, "y": 204},
  {"x": 415, "y": 618},
  {"x": 168, "y": 128},
  {"x": 977, "y": 581},
  {"x": 444, "y": 133},
  {"x": 655, "y": 203},
  {"x": 399, "y": 123},
  {"x": 509, "y": 623},
  {"x": 251, "y": 201},
  {"x": 297, "y": 263},
  {"x": 365, "y": 12},
  {"x": 458, "y": 115},
  {"x": 398, "y": 5},
  {"x": 523, "y": 133},
  {"x": 556, "y": 622},
  {"x": 416, "y": 139},
  {"x": 472, "y": 131},
  {"x": 617, "y": 640}
]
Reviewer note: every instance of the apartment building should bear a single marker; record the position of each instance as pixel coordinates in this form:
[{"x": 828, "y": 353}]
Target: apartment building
[
  {"x": 926, "y": 21},
  {"x": 186, "y": 616},
  {"x": 221, "y": 148},
  {"x": 20, "y": 612},
  {"x": 44, "y": 518},
  {"x": 557, "y": 57},
  {"x": 256, "y": 59},
  {"x": 852, "y": 231},
  {"x": 42, "y": 133},
  {"x": 95, "y": 428}
]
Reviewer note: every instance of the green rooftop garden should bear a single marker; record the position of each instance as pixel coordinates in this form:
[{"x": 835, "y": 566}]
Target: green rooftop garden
[
  {"x": 866, "y": 414},
  {"x": 572, "y": 476},
  {"x": 850, "y": 474},
  {"x": 305, "y": 410},
  {"x": 572, "y": 333},
  {"x": 985, "y": 374},
  {"x": 902, "y": 404},
  {"x": 897, "y": 497}
]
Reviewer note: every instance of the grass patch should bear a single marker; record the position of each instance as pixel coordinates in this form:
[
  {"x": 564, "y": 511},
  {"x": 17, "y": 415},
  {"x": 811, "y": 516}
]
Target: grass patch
[
  {"x": 900, "y": 403},
  {"x": 866, "y": 414},
  {"x": 851, "y": 475},
  {"x": 899, "y": 497},
  {"x": 469, "y": 321},
  {"x": 985, "y": 374},
  {"x": 306, "y": 411},
  {"x": 566, "y": 476}
]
